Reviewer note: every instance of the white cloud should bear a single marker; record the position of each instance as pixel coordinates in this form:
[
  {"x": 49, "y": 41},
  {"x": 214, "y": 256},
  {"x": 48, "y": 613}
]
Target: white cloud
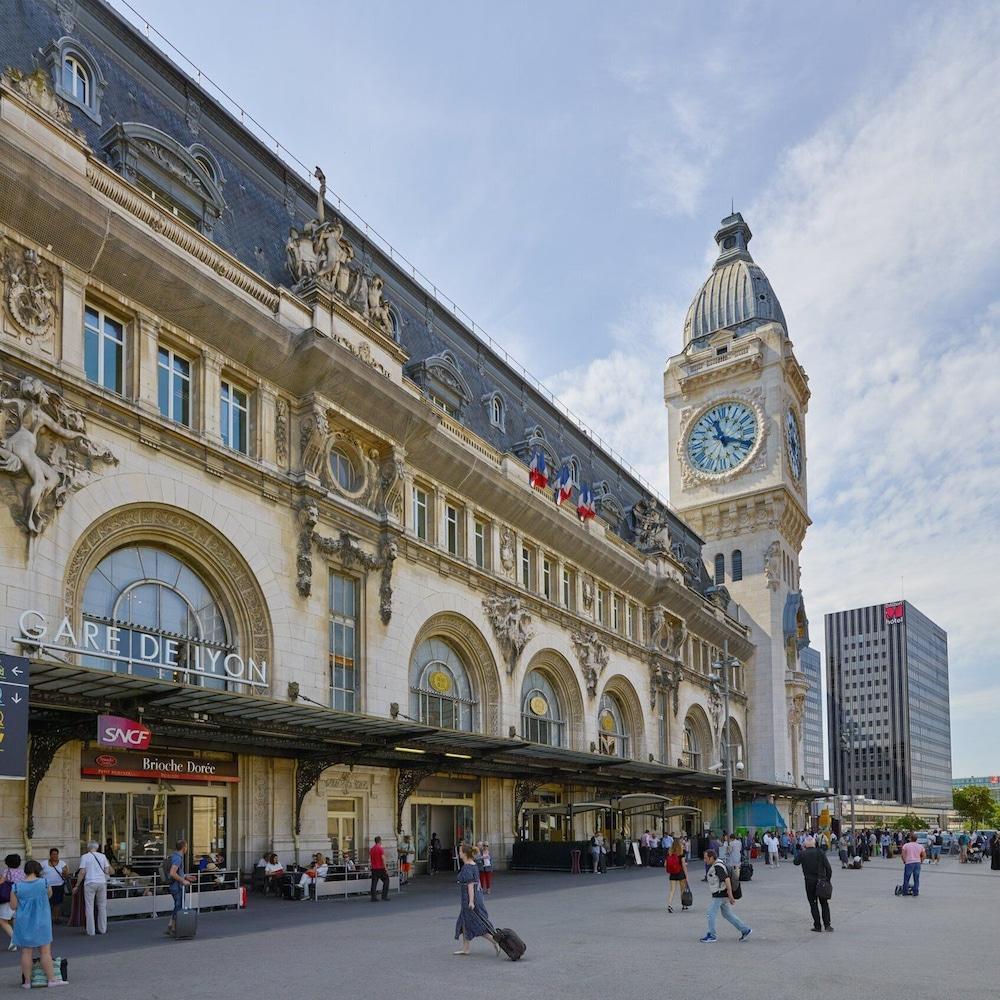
[{"x": 878, "y": 234}]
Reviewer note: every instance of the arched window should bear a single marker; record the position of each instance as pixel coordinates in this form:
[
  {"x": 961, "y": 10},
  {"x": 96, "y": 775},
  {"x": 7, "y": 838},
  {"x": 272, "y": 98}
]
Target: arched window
[
  {"x": 692, "y": 747},
  {"x": 160, "y": 616},
  {"x": 343, "y": 470},
  {"x": 498, "y": 411},
  {"x": 542, "y": 718},
  {"x": 76, "y": 79},
  {"x": 732, "y": 743},
  {"x": 737, "y": 564},
  {"x": 206, "y": 164},
  {"x": 440, "y": 690},
  {"x": 612, "y": 730},
  {"x": 574, "y": 471},
  {"x": 720, "y": 570}
]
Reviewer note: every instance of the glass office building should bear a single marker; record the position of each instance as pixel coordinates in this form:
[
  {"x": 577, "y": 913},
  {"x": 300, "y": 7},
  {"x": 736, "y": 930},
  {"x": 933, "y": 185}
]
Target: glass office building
[
  {"x": 888, "y": 708},
  {"x": 812, "y": 723}
]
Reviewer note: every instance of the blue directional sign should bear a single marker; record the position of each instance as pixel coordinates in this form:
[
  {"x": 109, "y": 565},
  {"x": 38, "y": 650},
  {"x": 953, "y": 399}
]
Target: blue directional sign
[{"x": 13, "y": 716}]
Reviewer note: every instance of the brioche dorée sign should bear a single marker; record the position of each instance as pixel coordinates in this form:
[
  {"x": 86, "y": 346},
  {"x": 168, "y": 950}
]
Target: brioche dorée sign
[
  {"x": 123, "y": 734},
  {"x": 169, "y": 766}
]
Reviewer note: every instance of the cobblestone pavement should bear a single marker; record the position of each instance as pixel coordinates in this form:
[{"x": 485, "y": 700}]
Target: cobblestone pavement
[{"x": 588, "y": 937}]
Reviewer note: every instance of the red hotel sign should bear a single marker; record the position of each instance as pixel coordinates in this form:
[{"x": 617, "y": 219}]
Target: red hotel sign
[
  {"x": 894, "y": 613},
  {"x": 169, "y": 766}
]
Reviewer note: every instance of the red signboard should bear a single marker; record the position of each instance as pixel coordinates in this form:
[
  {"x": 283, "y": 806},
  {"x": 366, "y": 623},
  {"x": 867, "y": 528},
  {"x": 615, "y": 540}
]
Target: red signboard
[
  {"x": 125, "y": 734},
  {"x": 169, "y": 766},
  {"x": 995, "y": 779},
  {"x": 894, "y": 613}
]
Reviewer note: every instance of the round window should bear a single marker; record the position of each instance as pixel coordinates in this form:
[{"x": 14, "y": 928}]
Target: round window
[{"x": 342, "y": 468}]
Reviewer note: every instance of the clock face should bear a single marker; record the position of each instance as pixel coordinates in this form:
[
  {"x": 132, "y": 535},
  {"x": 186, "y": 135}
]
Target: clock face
[
  {"x": 794, "y": 440},
  {"x": 722, "y": 438}
]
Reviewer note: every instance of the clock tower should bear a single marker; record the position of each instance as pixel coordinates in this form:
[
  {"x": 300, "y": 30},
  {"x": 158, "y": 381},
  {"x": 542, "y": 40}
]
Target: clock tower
[{"x": 736, "y": 399}]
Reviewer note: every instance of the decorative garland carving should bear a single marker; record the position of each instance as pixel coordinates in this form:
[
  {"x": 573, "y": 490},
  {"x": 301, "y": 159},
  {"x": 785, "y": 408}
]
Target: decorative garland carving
[
  {"x": 31, "y": 293},
  {"x": 511, "y": 626},
  {"x": 281, "y": 432},
  {"x": 307, "y": 514},
  {"x": 592, "y": 655},
  {"x": 202, "y": 543}
]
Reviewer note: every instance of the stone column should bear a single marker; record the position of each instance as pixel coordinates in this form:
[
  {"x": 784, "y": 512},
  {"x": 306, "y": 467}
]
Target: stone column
[
  {"x": 71, "y": 336},
  {"x": 147, "y": 341},
  {"x": 265, "y": 437},
  {"x": 209, "y": 384}
]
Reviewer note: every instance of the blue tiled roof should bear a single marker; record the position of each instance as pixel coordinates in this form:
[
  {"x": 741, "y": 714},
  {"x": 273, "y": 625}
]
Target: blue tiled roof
[{"x": 264, "y": 197}]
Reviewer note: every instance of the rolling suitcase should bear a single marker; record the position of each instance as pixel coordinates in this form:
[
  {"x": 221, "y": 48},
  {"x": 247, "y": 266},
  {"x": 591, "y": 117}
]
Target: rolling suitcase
[
  {"x": 746, "y": 871},
  {"x": 186, "y": 925},
  {"x": 509, "y": 941},
  {"x": 687, "y": 899}
]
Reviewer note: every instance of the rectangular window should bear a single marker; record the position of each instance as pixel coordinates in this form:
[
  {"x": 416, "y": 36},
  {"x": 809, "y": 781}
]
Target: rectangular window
[
  {"x": 616, "y": 615},
  {"x": 567, "y": 588},
  {"x": 481, "y": 544},
  {"x": 343, "y": 643},
  {"x": 600, "y": 605},
  {"x": 527, "y": 576},
  {"x": 173, "y": 378},
  {"x": 420, "y": 513},
  {"x": 104, "y": 350},
  {"x": 233, "y": 417},
  {"x": 451, "y": 529},
  {"x": 547, "y": 579},
  {"x": 630, "y": 621}
]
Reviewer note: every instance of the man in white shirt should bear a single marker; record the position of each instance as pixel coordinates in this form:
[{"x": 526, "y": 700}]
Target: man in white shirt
[
  {"x": 93, "y": 876},
  {"x": 55, "y": 874},
  {"x": 772, "y": 849}
]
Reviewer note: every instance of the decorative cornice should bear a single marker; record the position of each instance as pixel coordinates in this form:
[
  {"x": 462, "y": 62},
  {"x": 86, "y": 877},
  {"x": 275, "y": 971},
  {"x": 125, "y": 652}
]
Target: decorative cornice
[
  {"x": 747, "y": 357},
  {"x": 137, "y": 204}
]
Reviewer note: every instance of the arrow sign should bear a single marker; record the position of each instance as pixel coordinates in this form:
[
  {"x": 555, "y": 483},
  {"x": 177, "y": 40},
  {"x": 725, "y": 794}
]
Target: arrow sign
[{"x": 14, "y": 701}]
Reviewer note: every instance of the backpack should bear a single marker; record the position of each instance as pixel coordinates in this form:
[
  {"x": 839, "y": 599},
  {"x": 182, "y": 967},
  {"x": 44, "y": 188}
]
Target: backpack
[
  {"x": 673, "y": 864},
  {"x": 165, "y": 868}
]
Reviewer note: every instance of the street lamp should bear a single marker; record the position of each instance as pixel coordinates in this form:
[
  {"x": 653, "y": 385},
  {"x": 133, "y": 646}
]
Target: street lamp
[
  {"x": 848, "y": 733},
  {"x": 722, "y": 666}
]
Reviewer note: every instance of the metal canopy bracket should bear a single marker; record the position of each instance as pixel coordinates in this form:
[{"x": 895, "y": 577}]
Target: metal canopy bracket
[
  {"x": 407, "y": 781},
  {"x": 42, "y": 749}
]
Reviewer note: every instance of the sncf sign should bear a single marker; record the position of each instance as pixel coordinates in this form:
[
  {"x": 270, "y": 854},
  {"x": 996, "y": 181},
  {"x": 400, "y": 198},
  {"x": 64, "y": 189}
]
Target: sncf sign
[
  {"x": 894, "y": 613},
  {"x": 125, "y": 734}
]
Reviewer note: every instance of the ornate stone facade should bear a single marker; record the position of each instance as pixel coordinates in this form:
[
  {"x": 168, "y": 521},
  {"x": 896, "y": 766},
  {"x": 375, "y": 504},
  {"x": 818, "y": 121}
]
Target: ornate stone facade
[
  {"x": 593, "y": 657},
  {"x": 511, "y": 625}
]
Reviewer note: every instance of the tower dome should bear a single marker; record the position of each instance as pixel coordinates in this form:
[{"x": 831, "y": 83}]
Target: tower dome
[{"x": 737, "y": 294}]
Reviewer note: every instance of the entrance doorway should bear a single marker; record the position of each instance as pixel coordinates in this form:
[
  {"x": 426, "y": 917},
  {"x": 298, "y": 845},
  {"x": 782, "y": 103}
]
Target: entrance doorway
[
  {"x": 445, "y": 806},
  {"x": 341, "y": 828}
]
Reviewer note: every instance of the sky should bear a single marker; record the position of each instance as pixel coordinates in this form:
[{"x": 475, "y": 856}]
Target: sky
[{"x": 559, "y": 168}]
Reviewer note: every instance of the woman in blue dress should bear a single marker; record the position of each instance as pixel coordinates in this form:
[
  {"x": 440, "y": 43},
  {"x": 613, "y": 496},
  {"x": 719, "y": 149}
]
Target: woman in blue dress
[
  {"x": 473, "y": 920},
  {"x": 33, "y": 925}
]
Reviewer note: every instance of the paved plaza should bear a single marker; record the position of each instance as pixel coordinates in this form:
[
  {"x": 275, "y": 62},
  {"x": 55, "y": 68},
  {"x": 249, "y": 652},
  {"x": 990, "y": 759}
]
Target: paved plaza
[{"x": 588, "y": 937}]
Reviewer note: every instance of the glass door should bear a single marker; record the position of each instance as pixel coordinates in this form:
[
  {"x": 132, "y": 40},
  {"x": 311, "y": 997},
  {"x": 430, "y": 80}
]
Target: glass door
[
  {"x": 178, "y": 820},
  {"x": 341, "y": 828},
  {"x": 208, "y": 826}
]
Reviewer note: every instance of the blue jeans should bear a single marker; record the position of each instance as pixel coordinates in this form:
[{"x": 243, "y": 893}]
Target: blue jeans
[
  {"x": 721, "y": 903},
  {"x": 911, "y": 870},
  {"x": 177, "y": 891},
  {"x": 935, "y": 853}
]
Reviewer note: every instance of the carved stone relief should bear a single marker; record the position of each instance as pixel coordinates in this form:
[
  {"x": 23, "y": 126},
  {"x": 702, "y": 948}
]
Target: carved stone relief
[
  {"x": 35, "y": 88},
  {"x": 649, "y": 527},
  {"x": 663, "y": 678},
  {"x": 281, "y": 432},
  {"x": 319, "y": 439},
  {"x": 45, "y": 450},
  {"x": 507, "y": 556},
  {"x": 592, "y": 655},
  {"x": 772, "y": 565},
  {"x": 320, "y": 255},
  {"x": 391, "y": 480},
  {"x": 31, "y": 294},
  {"x": 588, "y": 593},
  {"x": 667, "y": 633},
  {"x": 511, "y": 626}
]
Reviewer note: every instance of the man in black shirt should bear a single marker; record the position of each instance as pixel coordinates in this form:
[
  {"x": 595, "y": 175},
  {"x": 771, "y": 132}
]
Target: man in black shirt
[{"x": 815, "y": 866}]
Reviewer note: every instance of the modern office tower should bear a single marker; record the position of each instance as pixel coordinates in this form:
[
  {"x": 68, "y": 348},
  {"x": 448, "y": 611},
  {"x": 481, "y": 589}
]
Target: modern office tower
[
  {"x": 887, "y": 705},
  {"x": 812, "y": 722}
]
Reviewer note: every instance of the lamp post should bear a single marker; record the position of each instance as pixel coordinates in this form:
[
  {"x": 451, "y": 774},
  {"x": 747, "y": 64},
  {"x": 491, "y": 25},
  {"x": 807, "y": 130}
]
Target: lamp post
[
  {"x": 847, "y": 735},
  {"x": 722, "y": 666}
]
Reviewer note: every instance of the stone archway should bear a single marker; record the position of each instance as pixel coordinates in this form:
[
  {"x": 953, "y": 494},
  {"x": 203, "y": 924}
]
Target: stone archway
[
  {"x": 564, "y": 679},
  {"x": 474, "y": 650},
  {"x": 203, "y": 547},
  {"x": 628, "y": 700},
  {"x": 697, "y": 720}
]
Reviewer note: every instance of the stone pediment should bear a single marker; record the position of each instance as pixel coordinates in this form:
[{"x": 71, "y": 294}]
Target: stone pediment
[{"x": 440, "y": 374}]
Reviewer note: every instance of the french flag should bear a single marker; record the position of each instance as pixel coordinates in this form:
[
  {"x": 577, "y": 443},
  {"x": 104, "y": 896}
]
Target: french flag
[
  {"x": 537, "y": 473},
  {"x": 585, "y": 509},
  {"x": 563, "y": 490}
]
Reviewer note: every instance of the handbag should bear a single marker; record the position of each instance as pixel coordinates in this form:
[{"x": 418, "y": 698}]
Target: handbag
[
  {"x": 824, "y": 889},
  {"x": 5, "y": 890}
]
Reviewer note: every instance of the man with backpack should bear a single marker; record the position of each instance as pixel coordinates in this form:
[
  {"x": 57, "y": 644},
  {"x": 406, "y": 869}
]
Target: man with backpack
[
  {"x": 174, "y": 871},
  {"x": 724, "y": 895}
]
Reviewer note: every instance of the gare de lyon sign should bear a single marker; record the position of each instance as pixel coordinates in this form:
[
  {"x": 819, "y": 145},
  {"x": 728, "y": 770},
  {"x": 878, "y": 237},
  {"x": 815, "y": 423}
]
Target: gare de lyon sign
[{"x": 132, "y": 646}]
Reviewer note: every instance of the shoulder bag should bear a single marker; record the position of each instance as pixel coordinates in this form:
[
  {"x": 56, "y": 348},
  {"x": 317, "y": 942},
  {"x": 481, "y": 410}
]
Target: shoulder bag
[{"x": 824, "y": 889}]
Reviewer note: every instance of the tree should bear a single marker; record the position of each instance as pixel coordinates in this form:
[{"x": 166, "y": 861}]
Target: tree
[
  {"x": 975, "y": 804},
  {"x": 909, "y": 821}
]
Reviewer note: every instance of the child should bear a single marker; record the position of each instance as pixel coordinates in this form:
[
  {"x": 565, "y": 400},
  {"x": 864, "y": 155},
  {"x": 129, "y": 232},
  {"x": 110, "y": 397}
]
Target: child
[
  {"x": 486, "y": 875},
  {"x": 33, "y": 925}
]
